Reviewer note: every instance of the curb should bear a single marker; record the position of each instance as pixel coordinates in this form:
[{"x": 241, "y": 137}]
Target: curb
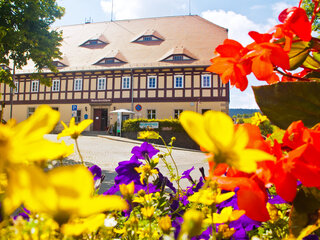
[{"x": 128, "y": 140}]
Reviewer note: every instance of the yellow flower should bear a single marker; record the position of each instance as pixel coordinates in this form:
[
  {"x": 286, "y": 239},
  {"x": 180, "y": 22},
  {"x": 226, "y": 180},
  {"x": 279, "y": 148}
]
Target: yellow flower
[
  {"x": 74, "y": 130},
  {"x": 192, "y": 223},
  {"x": 209, "y": 197},
  {"x": 127, "y": 190},
  {"x": 165, "y": 224},
  {"x": 273, "y": 212},
  {"x": 147, "y": 198},
  {"x": 64, "y": 193},
  {"x": 146, "y": 171},
  {"x": 83, "y": 225},
  {"x": 148, "y": 135},
  {"x": 226, "y": 215},
  {"x": 226, "y": 232},
  {"x": 24, "y": 142},
  {"x": 258, "y": 118},
  {"x": 147, "y": 212},
  {"x": 215, "y": 132}
]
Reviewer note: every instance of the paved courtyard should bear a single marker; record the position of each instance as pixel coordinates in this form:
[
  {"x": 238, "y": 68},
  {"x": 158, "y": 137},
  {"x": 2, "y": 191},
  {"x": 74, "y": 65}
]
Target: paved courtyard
[{"x": 107, "y": 151}]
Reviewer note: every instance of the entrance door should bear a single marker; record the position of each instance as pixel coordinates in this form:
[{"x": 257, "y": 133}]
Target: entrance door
[
  {"x": 104, "y": 119},
  {"x": 100, "y": 119}
]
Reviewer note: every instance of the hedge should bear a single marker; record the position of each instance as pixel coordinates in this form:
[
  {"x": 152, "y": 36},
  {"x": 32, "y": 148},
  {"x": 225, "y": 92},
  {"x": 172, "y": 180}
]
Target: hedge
[{"x": 132, "y": 125}]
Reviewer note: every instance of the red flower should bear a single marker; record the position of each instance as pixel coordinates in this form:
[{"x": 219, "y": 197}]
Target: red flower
[
  {"x": 252, "y": 196},
  {"x": 302, "y": 162},
  {"x": 305, "y": 162},
  {"x": 293, "y": 137},
  {"x": 296, "y": 20},
  {"x": 229, "y": 65},
  {"x": 265, "y": 56},
  {"x": 282, "y": 32}
]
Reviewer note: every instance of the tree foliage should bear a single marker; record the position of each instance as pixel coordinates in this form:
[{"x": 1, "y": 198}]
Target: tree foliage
[
  {"x": 25, "y": 34},
  {"x": 308, "y": 5}
]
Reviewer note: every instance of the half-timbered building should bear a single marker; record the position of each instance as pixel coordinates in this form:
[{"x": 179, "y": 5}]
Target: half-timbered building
[{"x": 155, "y": 67}]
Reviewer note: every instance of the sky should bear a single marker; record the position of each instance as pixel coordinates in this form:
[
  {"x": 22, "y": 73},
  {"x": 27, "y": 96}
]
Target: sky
[{"x": 239, "y": 16}]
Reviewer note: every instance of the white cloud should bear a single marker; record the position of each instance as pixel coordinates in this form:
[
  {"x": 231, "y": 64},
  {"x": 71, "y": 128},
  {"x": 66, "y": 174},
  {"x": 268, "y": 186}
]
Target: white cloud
[
  {"x": 246, "y": 98},
  {"x": 255, "y": 7},
  {"x": 238, "y": 25},
  {"x": 124, "y": 9},
  {"x": 278, "y": 7}
]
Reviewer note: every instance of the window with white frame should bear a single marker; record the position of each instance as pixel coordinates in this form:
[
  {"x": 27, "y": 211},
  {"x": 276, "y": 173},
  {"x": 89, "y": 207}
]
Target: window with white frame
[
  {"x": 178, "y": 81},
  {"x": 126, "y": 82},
  {"x": 77, "y": 84},
  {"x": 101, "y": 84},
  {"x": 35, "y": 86},
  {"x": 55, "y": 85},
  {"x": 152, "y": 81},
  {"x": 151, "y": 113},
  {"x": 16, "y": 84},
  {"x": 206, "y": 81},
  {"x": 177, "y": 113}
]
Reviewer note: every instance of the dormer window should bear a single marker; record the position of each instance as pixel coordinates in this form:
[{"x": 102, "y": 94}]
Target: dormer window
[
  {"x": 93, "y": 42},
  {"x": 109, "y": 61},
  {"x": 58, "y": 64},
  {"x": 178, "y": 57},
  {"x": 148, "y": 38}
]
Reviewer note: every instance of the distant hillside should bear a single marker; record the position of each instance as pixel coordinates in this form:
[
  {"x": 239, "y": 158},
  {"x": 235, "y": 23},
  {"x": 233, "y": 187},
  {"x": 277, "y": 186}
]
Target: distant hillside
[{"x": 235, "y": 111}]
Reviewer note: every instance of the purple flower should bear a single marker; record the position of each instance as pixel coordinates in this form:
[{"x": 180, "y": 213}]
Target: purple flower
[
  {"x": 145, "y": 151},
  {"x": 24, "y": 215},
  {"x": 176, "y": 223},
  {"x": 126, "y": 173},
  {"x": 186, "y": 174},
  {"x": 311, "y": 237},
  {"x": 243, "y": 224},
  {"x": 205, "y": 235},
  {"x": 96, "y": 172},
  {"x": 164, "y": 181},
  {"x": 276, "y": 200}
]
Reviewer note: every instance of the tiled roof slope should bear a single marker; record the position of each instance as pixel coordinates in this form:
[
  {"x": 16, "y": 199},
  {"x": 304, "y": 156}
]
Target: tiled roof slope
[{"x": 196, "y": 35}]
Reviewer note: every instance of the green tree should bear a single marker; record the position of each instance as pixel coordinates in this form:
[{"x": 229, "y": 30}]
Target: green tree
[
  {"x": 25, "y": 35},
  {"x": 308, "y": 5}
]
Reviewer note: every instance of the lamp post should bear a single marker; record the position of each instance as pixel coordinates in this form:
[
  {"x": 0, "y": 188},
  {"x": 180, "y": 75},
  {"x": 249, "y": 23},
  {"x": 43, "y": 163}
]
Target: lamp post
[{"x": 11, "y": 89}]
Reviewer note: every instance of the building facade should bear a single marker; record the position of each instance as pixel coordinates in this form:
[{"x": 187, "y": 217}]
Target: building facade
[{"x": 155, "y": 67}]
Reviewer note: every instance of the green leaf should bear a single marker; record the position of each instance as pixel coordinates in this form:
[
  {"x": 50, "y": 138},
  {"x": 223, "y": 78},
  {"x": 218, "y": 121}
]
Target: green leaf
[
  {"x": 286, "y": 102},
  {"x": 298, "y": 53},
  {"x": 314, "y": 75},
  {"x": 316, "y": 56},
  {"x": 304, "y": 209},
  {"x": 311, "y": 63}
]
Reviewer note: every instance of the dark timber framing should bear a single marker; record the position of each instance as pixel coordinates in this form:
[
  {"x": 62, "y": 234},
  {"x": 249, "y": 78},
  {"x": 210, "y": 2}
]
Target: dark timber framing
[{"x": 218, "y": 92}]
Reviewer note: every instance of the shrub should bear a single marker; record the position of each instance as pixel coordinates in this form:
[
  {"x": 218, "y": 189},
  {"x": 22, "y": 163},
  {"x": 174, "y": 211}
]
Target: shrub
[{"x": 132, "y": 125}]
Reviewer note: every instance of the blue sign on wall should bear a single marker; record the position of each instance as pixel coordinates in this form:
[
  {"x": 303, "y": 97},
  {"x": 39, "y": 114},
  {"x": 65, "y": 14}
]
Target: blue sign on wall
[
  {"x": 86, "y": 116},
  {"x": 74, "y": 107}
]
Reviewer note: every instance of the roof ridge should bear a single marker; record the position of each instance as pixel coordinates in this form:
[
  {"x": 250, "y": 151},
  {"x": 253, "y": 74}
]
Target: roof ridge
[{"x": 122, "y": 20}]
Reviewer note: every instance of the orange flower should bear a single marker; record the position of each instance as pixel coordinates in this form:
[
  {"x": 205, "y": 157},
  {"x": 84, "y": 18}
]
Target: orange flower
[
  {"x": 265, "y": 56},
  {"x": 302, "y": 162},
  {"x": 230, "y": 66},
  {"x": 252, "y": 196},
  {"x": 296, "y": 20}
]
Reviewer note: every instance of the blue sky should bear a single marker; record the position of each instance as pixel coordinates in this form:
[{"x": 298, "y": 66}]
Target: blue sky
[{"x": 239, "y": 16}]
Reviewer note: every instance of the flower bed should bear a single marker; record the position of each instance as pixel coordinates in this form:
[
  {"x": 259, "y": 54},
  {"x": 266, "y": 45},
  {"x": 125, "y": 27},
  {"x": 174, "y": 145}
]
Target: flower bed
[{"x": 257, "y": 187}]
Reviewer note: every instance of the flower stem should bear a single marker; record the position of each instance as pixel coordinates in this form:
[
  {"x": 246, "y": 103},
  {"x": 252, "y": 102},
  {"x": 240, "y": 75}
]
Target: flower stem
[
  {"x": 213, "y": 225},
  {"x": 175, "y": 165},
  {"x": 78, "y": 150}
]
